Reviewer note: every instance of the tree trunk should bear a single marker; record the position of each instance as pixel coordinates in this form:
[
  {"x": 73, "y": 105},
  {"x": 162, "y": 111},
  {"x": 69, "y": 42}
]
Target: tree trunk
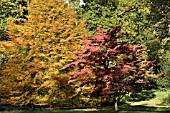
[{"x": 116, "y": 106}]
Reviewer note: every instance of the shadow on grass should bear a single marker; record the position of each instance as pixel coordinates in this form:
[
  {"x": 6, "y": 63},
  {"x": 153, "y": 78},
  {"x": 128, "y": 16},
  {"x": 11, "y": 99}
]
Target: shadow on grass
[
  {"x": 142, "y": 96},
  {"x": 145, "y": 109},
  {"x": 123, "y": 109}
]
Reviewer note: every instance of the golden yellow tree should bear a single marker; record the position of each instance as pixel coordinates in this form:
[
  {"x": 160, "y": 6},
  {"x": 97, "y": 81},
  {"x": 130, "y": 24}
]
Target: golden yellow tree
[{"x": 38, "y": 50}]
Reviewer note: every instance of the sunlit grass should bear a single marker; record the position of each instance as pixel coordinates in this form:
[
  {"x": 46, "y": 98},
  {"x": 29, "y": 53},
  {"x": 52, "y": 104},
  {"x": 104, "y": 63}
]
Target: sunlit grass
[
  {"x": 160, "y": 95},
  {"x": 128, "y": 109}
]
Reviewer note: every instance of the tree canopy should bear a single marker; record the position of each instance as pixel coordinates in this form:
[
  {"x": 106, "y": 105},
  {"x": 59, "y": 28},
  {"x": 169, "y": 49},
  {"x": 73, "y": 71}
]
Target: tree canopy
[
  {"x": 51, "y": 52},
  {"x": 112, "y": 67},
  {"x": 144, "y": 21},
  {"x": 15, "y": 10},
  {"x": 38, "y": 49}
]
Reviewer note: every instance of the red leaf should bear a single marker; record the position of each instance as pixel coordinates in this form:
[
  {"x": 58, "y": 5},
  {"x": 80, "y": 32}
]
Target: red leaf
[
  {"x": 99, "y": 38},
  {"x": 71, "y": 64},
  {"x": 88, "y": 71},
  {"x": 99, "y": 30},
  {"x": 95, "y": 49},
  {"x": 72, "y": 80},
  {"x": 158, "y": 76},
  {"x": 84, "y": 55},
  {"x": 86, "y": 42},
  {"x": 140, "y": 72},
  {"x": 101, "y": 72}
]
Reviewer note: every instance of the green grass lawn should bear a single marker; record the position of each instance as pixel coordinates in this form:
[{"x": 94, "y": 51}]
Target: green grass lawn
[
  {"x": 130, "y": 109},
  {"x": 160, "y": 99},
  {"x": 153, "y": 105}
]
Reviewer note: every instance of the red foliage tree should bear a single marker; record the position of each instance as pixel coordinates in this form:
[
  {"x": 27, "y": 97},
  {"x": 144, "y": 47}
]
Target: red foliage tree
[{"x": 115, "y": 68}]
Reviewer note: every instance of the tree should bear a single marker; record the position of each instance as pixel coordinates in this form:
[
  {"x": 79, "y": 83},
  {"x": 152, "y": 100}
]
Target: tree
[
  {"x": 164, "y": 82},
  {"x": 159, "y": 18},
  {"x": 144, "y": 21},
  {"x": 15, "y": 10},
  {"x": 38, "y": 49},
  {"x": 98, "y": 14},
  {"x": 111, "y": 67}
]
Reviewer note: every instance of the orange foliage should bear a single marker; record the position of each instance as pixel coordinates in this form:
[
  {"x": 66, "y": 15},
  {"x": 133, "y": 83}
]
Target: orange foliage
[{"x": 39, "y": 49}]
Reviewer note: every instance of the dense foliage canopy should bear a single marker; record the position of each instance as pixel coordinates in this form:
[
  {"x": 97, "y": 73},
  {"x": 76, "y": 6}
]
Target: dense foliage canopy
[
  {"x": 38, "y": 49},
  {"x": 114, "y": 68},
  {"x": 47, "y": 58},
  {"x": 145, "y": 21},
  {"x": 15, "y": 10}
]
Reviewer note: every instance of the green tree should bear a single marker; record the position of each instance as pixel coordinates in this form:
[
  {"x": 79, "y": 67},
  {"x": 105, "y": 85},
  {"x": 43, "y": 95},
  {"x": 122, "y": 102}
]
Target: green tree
[
  {"x": 15, "y": 10},
  {"x": 159, "y": 18},
  {"x": 164, "y": 82},
  {"x": 38, "y": 49},
  {"x": 98, "y": 14},
  {"x": 142, "y": 20}
]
